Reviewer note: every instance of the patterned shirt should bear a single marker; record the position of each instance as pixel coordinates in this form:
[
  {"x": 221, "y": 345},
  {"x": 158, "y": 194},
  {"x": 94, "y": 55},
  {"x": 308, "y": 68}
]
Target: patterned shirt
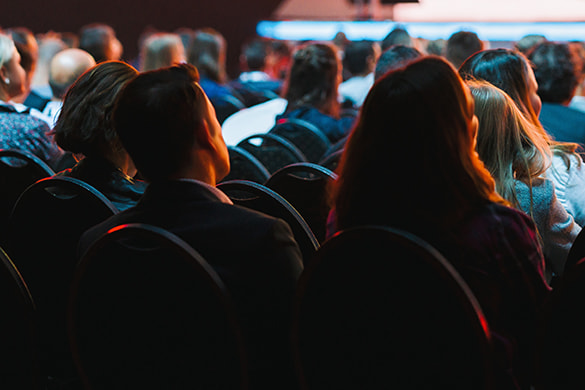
[{"x": 23, "y": 131}]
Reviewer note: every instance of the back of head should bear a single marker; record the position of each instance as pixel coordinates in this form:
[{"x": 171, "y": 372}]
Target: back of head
[
  {"x": 85, "y": 124},
  {"x": 397, "y": 36},
  {"x": 527, "y": 42},
  {"x": 404, "y": 124},
  {"x": 461, "y": 45},
  {"x": 358, "y": 57},
  {"x": 100, "y": 41},
  {"x": 510, "y": 146},
  {"x": 395, "y": 57},
  {"x": 254, "y": 54},
  {"x": 555, "y": 71},
  {"x": 314, "y": 77},
  {"x": 507, "y": 70},
  {"x": 156, "y": 117},
  {"x": 27, "y": 47},
  {"x": 207, "y": 52},
  {"x": 66, "y": 66},
  {"x": 160, "y": 50}
]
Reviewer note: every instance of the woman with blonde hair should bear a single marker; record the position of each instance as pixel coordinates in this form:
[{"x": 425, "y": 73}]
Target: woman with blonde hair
[{"x": 517, "y": 156}]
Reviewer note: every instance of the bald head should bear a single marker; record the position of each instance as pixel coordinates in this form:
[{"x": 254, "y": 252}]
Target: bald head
[{"x": 66, "y": 66}]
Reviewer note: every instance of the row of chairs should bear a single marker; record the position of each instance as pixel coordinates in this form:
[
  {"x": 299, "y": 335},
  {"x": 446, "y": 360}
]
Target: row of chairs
[{"x": 351, "y": 328}]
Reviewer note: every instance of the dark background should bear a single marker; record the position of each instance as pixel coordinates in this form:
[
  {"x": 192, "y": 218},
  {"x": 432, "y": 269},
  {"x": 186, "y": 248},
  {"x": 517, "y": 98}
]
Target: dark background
[{"x": 235, "y": 19}]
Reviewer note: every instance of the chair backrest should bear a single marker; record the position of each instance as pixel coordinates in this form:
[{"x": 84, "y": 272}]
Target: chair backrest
[
  {"x": 244, "y": 166},
  {"x": 43, "y": 230},
  {"x": 331, "y": 160},
  {"x": 304, "y": 185},
  {"x": 560, "y": 359},
  {"x": 18, "y": 170},
  {"x": 225, "y": 106},
  {"x": 380, "y": 308},
  {"x": 19, "y": 368},
  {"x": 147, "y": 311},
  {"x": 311, "y": 141},
  {"x": 273, "y": 151},
  {"x": 258, "y": 197}
]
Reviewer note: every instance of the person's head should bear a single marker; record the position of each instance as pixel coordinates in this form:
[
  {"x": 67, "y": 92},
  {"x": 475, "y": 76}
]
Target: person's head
[
  {"x": 160, "y": 50},
  {"x": 12, "y": 75},
  {"x": 403, "y": 124},
  {"x": 461, "y": 45},
  {"x": 510, "y": 146},
  {"x": 255, "y": 53},
  {"x": 66, "y": 66},
  {"x": 359, "y": 57},
  {"x": 555, "y": 71},
  {"x": 168, "y": 126},
  {"x": 100, "y": 41},
  {"x": 207, "y": 52},
  {"x": 395, "y": 57},
  {"x": 527, "y": 42},
  {"x": 85, "y": 125},
  {"x": 314, "y": 77},
  {"x": 28, "y": 48},
  {"x": 436, "y": 47},
  {"x": 397, "y": 36},
  {"x": 510, "y": 71}
]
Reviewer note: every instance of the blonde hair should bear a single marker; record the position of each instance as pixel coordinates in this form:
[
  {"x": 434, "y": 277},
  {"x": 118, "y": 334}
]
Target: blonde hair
[
  {"x": 510, "y": 145},
  {"x": 160, "y": 50},
  {"x": 6, "y": 49}
]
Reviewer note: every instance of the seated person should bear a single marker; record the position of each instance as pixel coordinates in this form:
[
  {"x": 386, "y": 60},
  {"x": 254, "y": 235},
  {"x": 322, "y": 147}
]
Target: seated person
[
  {"x": 85, "y": 127},
  {"x": 161, "y": 49},
  {"x": 18, "y": 128},
  {"x": 359, "y": 59},
  {"x": 169, "y": 127},
  {"x": 311, "y": 90}
]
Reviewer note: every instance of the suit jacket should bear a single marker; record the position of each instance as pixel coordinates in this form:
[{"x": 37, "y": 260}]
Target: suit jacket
[{"x": 255, "y": 255}]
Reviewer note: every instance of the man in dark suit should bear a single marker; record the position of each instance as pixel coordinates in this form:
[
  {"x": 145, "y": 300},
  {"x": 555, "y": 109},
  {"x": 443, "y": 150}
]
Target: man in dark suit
[{"x": 168, "y": 126}]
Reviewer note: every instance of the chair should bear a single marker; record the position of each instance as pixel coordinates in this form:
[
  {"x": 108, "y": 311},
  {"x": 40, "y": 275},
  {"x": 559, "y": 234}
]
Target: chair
[
  {"x": 148, "y": 312},
  {"x": 225, "y": 106},
  {"x": 379, "y": 308},
  {"x": 260, "y": 198},
  {"x": 18, "y": 170},
  {"x": 43, "y": 230},
  {"x": 311, "y": 141},
  {"x": 244, "y": 166},
  {"x": 304, "y": 185},
  {"x": 273, "y": 151},
  {"x": 560, "y": 358},
  {"x": 331, "y": 160},
  {"x": 19, "y": 368}
]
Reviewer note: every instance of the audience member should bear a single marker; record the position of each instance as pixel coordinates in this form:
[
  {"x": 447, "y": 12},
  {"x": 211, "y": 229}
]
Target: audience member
[
  {"x": 527, "y": 42},
  {"x": 207, "y": 52},
  {"x": 100, "y": 41},
  {"x": 517, "y": 156},
  {"x": 254, "y": 84},
  {"x": 28, "y": 48},
  {"x": 66, "y": 66},
  {"x": 578, "y": 50},
  {"x": 85, "y": 128},
  {"x": 49, "y": 45},
  {"x": 19, "y": 129},
  {"x": 359, "y": 58},
  {"x": 557, "y": 77},
  {"x": 161, "y": 49},
  {"x": 461, "y": 45},
  {"x": 254, "y": 254},
  {"x": 395, "y": 57},
  {"x": 510, "y": 71},
  {"x": 280, "y": 59},
  {"x": 397, "y": 36},
  {"x": 311, "y": 90},
  {"x": 493, "y": 246},
  {"x": 436, "y": 47}
]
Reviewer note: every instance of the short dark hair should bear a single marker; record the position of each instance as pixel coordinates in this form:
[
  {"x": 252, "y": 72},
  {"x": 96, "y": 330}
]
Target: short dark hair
[
  {"x": 461, "y": 45},
  {"x": 85, "y": 123},
  {"x": 555, "y": 70},
  {"x": 96, "y": 38},
  {"x": 356, "y": 54},
  {"x": 255, "y": 52},
  {"x": 156, "y": 117},
  {"x": 395, "y": 57}
]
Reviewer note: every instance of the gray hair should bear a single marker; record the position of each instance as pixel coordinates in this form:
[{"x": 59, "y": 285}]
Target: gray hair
[{"x": 6, "y": 49}]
